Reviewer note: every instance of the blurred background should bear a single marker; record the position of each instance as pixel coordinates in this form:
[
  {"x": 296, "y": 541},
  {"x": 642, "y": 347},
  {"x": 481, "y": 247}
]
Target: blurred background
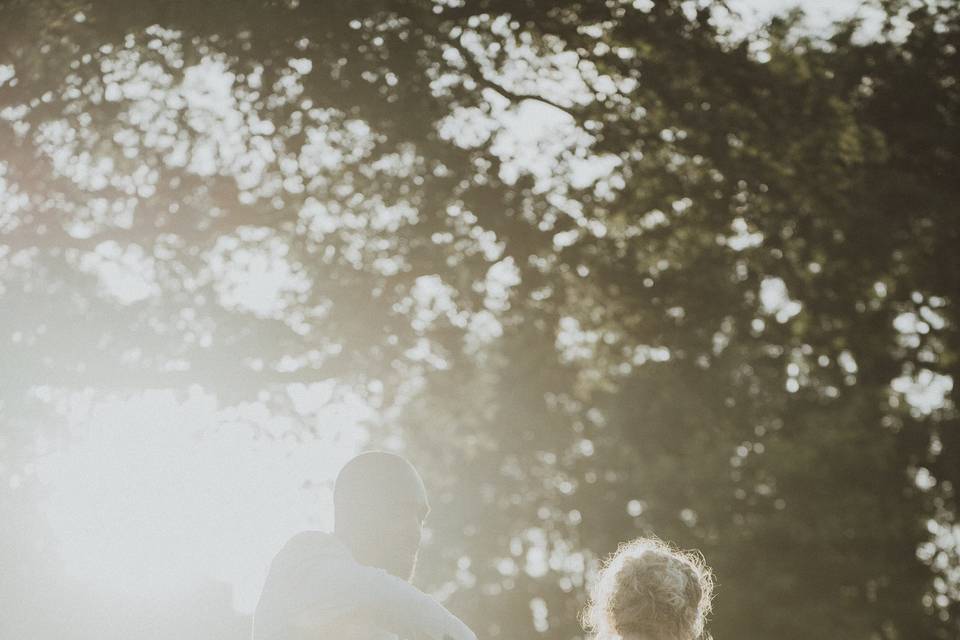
[{"x": 598, "y": 268}]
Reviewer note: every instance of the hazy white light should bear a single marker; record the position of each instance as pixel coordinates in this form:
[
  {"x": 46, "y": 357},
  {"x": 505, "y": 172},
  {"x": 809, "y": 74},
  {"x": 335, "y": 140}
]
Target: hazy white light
[
  {"x": 926, "y": 391},
  {"x": 821, "y": 14},
  {"x": 253, "y": 273},
  {"x": 742, "y": 238},
  {"x": 6, "y": 73},
  {"x": 125, "y": 273},
  {"x": 156, "y": 494},
  {"x": 776, "y": 300}
]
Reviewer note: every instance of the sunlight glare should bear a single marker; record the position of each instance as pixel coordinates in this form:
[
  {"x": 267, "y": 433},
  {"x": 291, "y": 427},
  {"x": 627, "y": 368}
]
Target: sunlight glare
[{"x": 155, "y": 494}]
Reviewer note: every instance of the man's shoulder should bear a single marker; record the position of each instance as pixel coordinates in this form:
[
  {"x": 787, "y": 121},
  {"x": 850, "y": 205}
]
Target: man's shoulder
[
  {"x": 310, "y": 539},
  {"x": 310, "y": 575},
  {"x": 310, "y": 544},
  {"x": 306, "y": 557}
]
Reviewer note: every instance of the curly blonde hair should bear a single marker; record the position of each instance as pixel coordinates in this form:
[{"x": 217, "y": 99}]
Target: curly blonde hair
[{"x": 650, "y": 590}]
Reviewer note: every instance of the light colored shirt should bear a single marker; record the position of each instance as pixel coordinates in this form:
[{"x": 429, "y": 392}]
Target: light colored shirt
[{"x": 315, "y": 590}]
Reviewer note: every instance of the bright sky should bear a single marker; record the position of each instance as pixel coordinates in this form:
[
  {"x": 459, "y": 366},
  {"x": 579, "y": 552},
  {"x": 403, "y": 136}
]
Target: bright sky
[
  {"x": 180, "y": 488},
  {"x": 820, "y": 13}
]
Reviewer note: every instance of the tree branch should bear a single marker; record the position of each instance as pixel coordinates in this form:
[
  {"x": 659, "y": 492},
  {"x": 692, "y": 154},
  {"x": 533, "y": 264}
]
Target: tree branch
[{"x": 481, "y": 78}]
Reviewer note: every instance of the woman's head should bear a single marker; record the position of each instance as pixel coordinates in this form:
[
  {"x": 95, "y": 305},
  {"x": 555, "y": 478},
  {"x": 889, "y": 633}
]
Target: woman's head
[{"x": 649, "y": 590}]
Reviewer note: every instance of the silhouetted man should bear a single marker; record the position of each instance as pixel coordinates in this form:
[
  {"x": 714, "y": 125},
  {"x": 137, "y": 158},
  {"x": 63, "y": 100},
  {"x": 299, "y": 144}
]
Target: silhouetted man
[{"x": 354, "y": 584}]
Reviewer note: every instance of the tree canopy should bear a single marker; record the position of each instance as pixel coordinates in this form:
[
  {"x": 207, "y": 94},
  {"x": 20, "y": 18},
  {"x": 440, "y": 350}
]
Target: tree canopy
[{"x": 719, "y": 305}]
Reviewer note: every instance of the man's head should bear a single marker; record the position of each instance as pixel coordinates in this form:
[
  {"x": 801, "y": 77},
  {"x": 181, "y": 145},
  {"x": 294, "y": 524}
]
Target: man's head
[{"x": 380, "y": 504}]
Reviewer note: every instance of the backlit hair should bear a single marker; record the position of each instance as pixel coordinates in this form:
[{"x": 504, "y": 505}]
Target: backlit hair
[{"x": 649, "y": 590}]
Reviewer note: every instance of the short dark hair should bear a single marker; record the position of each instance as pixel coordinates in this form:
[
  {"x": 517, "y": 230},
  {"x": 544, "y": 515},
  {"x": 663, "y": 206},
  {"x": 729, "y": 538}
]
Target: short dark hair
[{"x": 376, "y": 478}]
